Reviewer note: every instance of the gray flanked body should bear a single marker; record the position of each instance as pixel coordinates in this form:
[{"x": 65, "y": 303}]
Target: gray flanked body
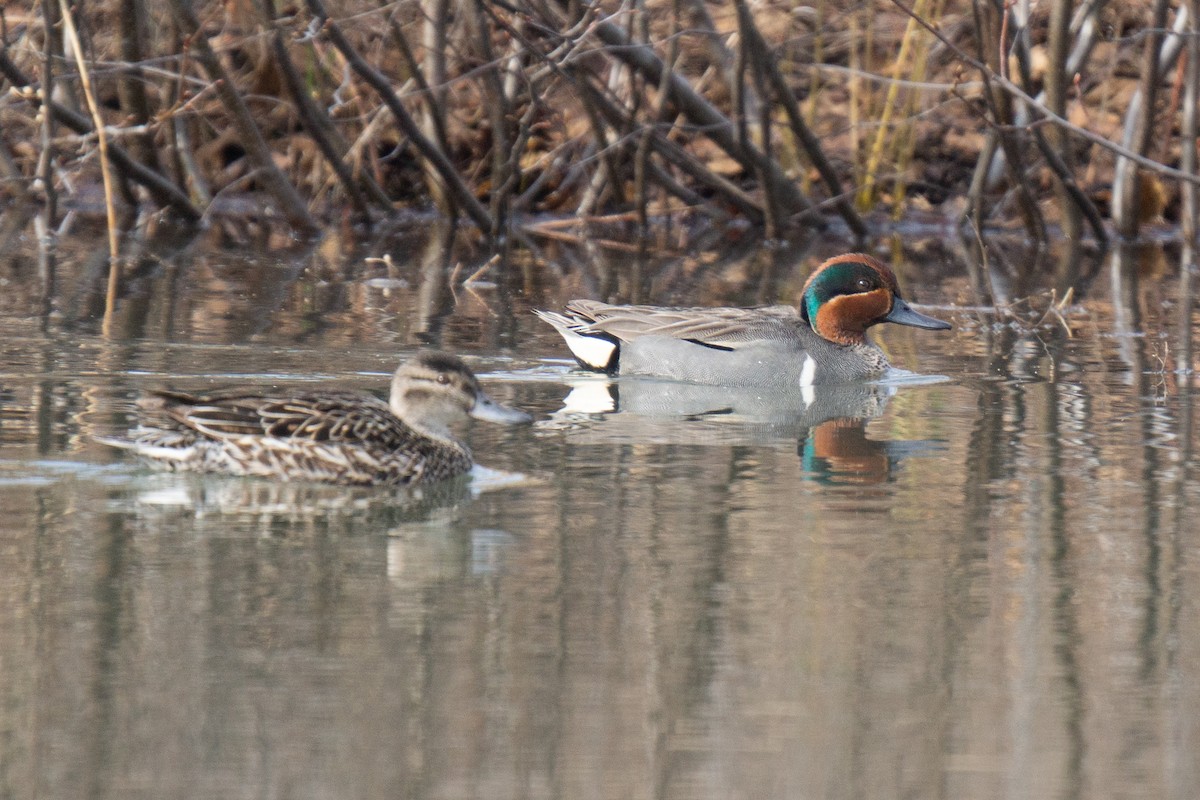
[
  {"x": 764, "y": 347},
  {"x": 784, "y": 353},
  {"x": 777, "y": 347},
  {"x": 326, "y": 436}
]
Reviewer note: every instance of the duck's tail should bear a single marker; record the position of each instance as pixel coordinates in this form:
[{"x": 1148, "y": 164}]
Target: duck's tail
[
  {"x": 593, "y": 350},
  {"x": 164, "y": 448}
]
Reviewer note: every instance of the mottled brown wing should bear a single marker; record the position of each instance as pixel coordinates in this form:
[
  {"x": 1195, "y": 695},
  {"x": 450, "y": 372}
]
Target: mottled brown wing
[
  {"x": 343, "y": 417},
  {"x": 717, "y": 327}
]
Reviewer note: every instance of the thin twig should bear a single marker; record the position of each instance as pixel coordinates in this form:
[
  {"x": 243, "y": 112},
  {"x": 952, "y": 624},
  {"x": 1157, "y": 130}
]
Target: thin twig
[
  {"x": 45, "y": 167},
  {"x": 800, "y": 129},
  {"x": 1017, "y": 92},
  {"x": 318, "y": 125},
  {"x": 383, "y": 87},
  {"x": 249, "y": 134},
  {"x": 714, "y": 125}
]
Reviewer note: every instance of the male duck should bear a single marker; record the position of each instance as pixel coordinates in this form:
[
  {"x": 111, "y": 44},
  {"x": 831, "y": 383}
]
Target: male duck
[
  {"x": 332, "y": 436},
  {"x": 822, "y": 342}
]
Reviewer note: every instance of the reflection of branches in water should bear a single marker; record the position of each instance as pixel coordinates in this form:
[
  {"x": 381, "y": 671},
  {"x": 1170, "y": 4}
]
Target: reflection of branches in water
[
  {"x": 1037, "y": 435},
  {"x": 1002, "y": 281},
  {"x": 280, "y": 507},
  {"x": 1034, "y": 312}
]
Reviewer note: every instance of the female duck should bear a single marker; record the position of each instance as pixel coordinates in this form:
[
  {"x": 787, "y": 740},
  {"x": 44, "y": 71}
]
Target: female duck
[
  {"x": 822, "y": 342},
  {"x": 332, "y": 437}
]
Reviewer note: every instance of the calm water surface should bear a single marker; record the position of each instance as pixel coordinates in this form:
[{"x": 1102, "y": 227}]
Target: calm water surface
[{"x": 986, "y": 586}]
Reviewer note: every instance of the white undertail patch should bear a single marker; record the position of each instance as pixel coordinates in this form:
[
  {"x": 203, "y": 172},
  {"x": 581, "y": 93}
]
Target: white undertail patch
[{"x": 594, "y": 351}]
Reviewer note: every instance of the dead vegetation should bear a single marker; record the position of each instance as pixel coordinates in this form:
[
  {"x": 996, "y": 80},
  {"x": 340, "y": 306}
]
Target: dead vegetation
[{"x": 504, "y": 112}]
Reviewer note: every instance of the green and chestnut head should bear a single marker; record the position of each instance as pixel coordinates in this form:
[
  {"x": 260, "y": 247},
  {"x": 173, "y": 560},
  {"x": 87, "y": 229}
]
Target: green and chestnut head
[{"x": 850, "y": 293}]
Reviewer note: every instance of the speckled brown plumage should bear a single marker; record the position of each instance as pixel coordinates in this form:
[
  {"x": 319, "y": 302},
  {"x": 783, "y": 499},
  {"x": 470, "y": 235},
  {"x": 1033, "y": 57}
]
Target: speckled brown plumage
[{"x": 327, "y": 436}]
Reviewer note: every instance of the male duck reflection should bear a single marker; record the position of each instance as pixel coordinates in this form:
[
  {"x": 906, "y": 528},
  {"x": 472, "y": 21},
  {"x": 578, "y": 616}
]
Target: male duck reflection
[
  {"x": 822, "y": 342},
  {"x": 331, "y": 437}
]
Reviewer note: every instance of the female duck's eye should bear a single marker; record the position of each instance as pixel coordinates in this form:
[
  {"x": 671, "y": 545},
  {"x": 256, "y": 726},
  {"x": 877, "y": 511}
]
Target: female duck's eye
[{"x": 443, "y": 378}]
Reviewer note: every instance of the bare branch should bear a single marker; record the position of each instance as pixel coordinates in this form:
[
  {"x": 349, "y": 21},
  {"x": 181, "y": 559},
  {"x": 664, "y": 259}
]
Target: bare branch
[{"x": 1016, "y": 91}]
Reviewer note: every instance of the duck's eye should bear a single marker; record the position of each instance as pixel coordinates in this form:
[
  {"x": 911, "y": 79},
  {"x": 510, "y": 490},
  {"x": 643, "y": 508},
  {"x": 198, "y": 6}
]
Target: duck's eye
[
  {"x": 863, "y": 284},
  {"x": 443, "y": 378}
]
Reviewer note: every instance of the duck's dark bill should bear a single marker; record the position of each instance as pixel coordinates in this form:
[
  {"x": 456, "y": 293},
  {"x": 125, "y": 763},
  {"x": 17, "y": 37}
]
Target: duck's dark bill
[
  {"x": 902, "y": 314},
  {"x": 489, "y": 410}
]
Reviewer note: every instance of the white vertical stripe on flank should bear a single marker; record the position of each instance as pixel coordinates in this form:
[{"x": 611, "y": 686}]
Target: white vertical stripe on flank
[{"x": 809, "y": 373}]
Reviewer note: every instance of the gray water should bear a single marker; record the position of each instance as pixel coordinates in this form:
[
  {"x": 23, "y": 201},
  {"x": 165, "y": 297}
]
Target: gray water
[{"x": 984, "y": 585}]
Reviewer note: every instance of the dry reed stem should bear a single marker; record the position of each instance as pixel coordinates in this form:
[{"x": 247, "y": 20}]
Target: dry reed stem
[
  {"x": 642, "y": 155},
  {"x": 1191, "y": 113},
  {"x": 572, "y": 238},
  {"x": 904, "y": 143},
  {"x": 856, "y": 98},
  {"x": 433, "y": 121},
  {"x": 131, "y": 87},
  {"x": 45, "y": 167},
  {"x": 866, "y": 192},
  {"x": 110, "y": 211},
  {"x": 1000, "y": 107},
  {"x": 1055, "y": 92},
  {"x": 1075, "y": 204},
  {"x": 505, "y": 167}
]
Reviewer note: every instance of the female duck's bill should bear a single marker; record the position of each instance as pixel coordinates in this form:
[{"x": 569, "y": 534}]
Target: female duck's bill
[
  {"x": 489, "y": 410},
  {"x": 326, "y": 436}
]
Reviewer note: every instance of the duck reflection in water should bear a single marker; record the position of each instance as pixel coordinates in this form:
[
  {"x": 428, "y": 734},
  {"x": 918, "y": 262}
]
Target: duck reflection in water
[
  {"x": 827, "y": 422},
  {"x": 837, "y": 451}
]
